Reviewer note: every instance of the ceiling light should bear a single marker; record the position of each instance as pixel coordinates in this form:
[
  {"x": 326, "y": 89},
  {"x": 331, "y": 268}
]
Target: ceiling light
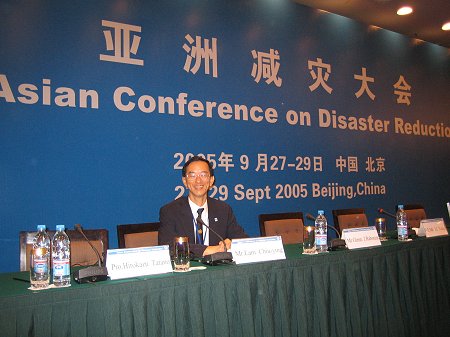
[
  {"x": 405, "y": 10},
  {"x": 446, "y": 26}
]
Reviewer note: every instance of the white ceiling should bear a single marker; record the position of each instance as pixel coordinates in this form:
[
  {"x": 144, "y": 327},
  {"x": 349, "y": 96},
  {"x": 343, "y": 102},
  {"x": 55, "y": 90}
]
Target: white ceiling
[{"x": 424, "y": 24}]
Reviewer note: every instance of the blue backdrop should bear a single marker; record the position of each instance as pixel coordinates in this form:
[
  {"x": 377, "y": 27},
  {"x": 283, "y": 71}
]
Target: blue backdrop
[{"x": 102, "y": 102}]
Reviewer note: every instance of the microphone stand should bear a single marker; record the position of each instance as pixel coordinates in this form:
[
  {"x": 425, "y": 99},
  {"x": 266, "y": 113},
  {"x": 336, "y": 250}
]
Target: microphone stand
[
  {"x": 92, "y": 273},
  {"x": 411, "y": 233},
  {"x": 382, "y": 211},
  {"x": 219, "y": 257},
  {"x": 99, "y": 258},
  {"x": 334, "y": 243}
]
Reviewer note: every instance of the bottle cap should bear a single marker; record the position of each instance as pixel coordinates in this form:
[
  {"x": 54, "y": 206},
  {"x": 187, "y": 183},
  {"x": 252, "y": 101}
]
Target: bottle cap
[
  {"x": 60, "y": 227},
  {"x": 320, "y": 212},
  {"x": 40, "y": 227},
  {"x": 400, "y": 206}
]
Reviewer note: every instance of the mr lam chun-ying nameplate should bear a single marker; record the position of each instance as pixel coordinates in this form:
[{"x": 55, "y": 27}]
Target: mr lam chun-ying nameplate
[
  {"x": 362, "y": 237},
  {"x": 257, "y": 249},
  {"x": 134, "y": 262}
]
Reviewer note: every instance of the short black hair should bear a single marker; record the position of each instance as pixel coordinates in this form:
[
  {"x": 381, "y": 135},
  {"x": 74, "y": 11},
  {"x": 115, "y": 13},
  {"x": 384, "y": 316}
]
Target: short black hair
[{"x": 194, "y": 159}]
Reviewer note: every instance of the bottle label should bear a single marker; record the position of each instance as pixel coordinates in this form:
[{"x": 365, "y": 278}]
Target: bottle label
[
  {"x": 321, "y": 240},
  {"x": 61, "y": 267},
  {"x": 402, "y": 229},
  {"x": 40, "y": 266}
]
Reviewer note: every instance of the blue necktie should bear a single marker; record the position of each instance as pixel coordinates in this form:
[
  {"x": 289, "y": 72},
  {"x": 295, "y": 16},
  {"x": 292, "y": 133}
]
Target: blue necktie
[{"x": 200, "y": 226}]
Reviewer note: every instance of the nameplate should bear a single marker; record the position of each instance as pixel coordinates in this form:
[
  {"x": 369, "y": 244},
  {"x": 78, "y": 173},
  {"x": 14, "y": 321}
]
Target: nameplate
[
  {"x": 261, "y": 249},
  {"x": 433, "y": 227},
  {"x": 134, "y": 262},
  {"x": 361, "y": 237}
]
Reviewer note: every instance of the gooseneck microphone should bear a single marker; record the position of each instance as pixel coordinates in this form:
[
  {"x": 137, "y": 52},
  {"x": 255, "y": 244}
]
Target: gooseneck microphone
[
  {"x": 310, "y": 217},
  {"x": 99, "y": 257},
  {"x": 92, "y": 273},
  {"x": 411, "y": 232},
  {"x": 334, "y": 243},
  {"x": 382, "y": 211},
  {"x": 219, "y": 257}
]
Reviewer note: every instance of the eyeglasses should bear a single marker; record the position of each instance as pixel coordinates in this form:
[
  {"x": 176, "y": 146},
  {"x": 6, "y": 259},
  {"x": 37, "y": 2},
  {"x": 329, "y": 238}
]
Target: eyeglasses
[{"x": 194, "y": 175}]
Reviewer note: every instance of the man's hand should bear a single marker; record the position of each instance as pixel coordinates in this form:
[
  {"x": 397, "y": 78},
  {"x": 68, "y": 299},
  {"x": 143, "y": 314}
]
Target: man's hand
[
  {"x": 219, "y": 248},
  {"x": 227, "y": 243}
]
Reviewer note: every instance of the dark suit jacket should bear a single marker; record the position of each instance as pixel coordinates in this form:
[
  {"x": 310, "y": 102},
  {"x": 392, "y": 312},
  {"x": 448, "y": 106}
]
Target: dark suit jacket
[{"x": 176, "y": 220}]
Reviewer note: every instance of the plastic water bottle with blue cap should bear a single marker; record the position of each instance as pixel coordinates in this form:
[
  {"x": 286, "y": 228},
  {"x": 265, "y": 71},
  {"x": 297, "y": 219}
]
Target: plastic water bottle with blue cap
[
  {"x": 61, "y": 257},
  {"x": 402, "y": 224},
  {"x": 321, "y": 232},
  {"x": 40, "y": 259}
]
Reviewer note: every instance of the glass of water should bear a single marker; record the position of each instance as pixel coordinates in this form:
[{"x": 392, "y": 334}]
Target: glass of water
[
  {"x": 181, "y": 254},
  {"x": 309, "y": 240},
  {"x": 380, "y": 225}
]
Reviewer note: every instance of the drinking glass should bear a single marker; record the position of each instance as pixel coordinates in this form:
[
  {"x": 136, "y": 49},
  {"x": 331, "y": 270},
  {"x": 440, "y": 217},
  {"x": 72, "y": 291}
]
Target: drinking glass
[
  {"x": 181, "y": 257},
  {"x": 380, "y": 225},
  {"x": 309, "y": 240}
]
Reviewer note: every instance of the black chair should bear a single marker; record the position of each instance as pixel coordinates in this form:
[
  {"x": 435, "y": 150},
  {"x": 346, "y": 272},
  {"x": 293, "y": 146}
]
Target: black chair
[
  {"x": 287, "y": 225},
  {"x": 81, "y": 253},
  {"x": 138, "y": 235},
  {"x": 349, "y": 218}
]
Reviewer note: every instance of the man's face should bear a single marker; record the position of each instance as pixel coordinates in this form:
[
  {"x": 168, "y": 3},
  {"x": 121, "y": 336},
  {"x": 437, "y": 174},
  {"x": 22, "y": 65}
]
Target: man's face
[{"x": 197, "y": 179}]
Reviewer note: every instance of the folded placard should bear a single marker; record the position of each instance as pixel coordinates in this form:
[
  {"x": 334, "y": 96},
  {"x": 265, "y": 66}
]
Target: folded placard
[
  {"x": 268, "y": 248},
  {"x": 361, "y": 237},
  {"x": 433, "y": 227},
  {"x": 134, "y": 262}
]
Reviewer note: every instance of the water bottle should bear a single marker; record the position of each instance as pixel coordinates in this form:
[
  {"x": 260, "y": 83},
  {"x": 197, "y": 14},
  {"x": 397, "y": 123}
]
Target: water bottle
[
  {"x": 402, "y": 224},
  {"x": 40, "y": 259},
  {"x": 321, "y": 232},
  {"x": 61, "y": 257}
]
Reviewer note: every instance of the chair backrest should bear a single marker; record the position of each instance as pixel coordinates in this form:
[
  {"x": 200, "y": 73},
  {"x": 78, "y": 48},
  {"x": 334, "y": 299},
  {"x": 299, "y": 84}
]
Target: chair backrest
[
  {"x": 138, "y": 235},
  {"x": 414, "y": 213},
  {"x": 81, "y": 253},
  {"x": 349, "y": 218},
  {"x": 288, "y": 225}
]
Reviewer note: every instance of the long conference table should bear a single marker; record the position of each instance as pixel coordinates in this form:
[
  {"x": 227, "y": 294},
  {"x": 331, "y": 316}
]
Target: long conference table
[{"x": 397, "y": 290}]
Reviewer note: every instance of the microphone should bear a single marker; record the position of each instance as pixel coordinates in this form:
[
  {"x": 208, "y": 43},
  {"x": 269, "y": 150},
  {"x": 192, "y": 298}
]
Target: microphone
[
  {"x": 80, "y": 230},
  {"x": 310, "y": 217},
  {"x": 382, "y": 211},
  {"x": 92, "y": 273},
  {"x": 334, "y": 243},
  {"x": 219, "y": 257},
  {"x": 411, "y": 232}
]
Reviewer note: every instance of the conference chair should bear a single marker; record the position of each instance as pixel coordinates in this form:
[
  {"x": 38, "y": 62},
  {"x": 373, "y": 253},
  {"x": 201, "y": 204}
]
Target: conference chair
[
  {"x": 81, "y": 253},
  {"x": 287, "y": 225},
  {"x": 414, "y": 213},
  {"x": 349, "y": 218},
  {"x": 138, "y": 235}
]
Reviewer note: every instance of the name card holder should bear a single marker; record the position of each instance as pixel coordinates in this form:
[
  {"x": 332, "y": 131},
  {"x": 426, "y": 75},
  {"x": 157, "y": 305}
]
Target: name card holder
[
  {"x": 268, "y": 248},
  {"x": 363, "y": 237},
  {"x": 134, "y": 262},
  {"x": 433, "y": 227}
]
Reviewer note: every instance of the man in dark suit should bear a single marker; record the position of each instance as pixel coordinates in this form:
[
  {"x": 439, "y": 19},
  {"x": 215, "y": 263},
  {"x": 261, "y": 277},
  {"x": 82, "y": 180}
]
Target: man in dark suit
[{"x": 185, "y": 216}]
